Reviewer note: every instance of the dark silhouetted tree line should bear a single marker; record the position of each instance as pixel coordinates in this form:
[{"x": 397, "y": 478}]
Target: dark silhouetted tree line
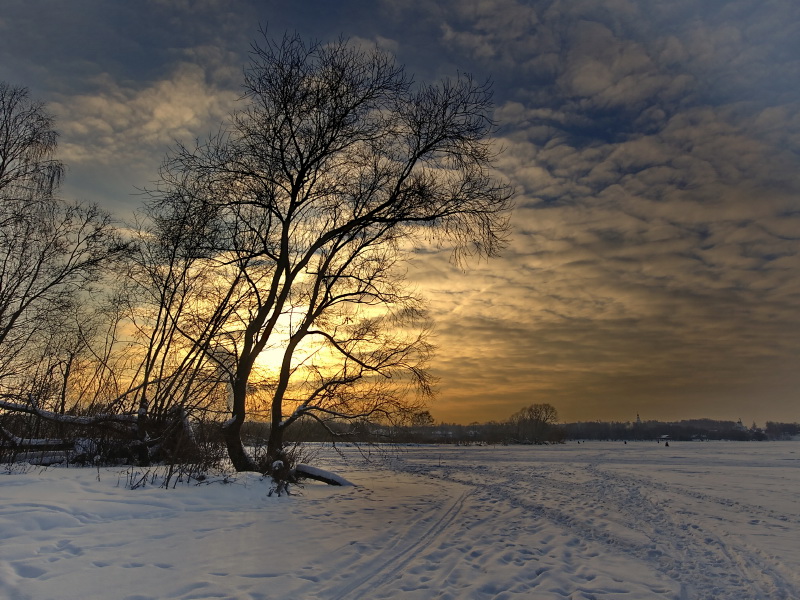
[{"x": 520, "y": 430}]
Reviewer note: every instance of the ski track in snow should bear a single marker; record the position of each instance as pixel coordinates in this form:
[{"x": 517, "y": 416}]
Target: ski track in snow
[
  {"x": 390, "y": 562},
  {"x": 575, "y": 522},
  {"x": 708, "y": 559},
  {"x": 686, "y": 535}
]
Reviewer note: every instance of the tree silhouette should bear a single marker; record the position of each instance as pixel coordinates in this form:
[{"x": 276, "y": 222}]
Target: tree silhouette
[{"x": 304, "y": 206}]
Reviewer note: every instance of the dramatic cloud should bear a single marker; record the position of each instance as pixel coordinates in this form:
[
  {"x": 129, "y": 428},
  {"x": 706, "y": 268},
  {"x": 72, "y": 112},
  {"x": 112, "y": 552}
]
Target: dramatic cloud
[
  {"x": 655, "y": 256},
  {"x": 654, "y": 262},
  {"x": 132, "y": 123}
]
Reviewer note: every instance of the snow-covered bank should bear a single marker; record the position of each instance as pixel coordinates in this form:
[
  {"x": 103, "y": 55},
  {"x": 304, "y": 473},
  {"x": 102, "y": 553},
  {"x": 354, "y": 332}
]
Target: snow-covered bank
[{"x": 597, "y": 520}]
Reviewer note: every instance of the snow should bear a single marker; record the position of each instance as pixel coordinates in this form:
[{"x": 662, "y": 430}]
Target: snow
[
  {"x": 590, "y": 521},
  {"x": 329, "y": 476}
]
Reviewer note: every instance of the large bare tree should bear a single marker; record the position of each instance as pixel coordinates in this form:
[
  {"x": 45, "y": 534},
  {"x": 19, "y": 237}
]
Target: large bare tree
[
  {"x": 50, "y": 250},
  {"x": 51, "y": 254},
  {"x": 302, "y": 209}
]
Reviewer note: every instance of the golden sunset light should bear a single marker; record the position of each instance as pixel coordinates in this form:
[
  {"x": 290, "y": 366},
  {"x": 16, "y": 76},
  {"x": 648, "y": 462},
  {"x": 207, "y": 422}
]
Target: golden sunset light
[
  {"x": 400, "y": 300},
  {"x": 653, "y": 256}
]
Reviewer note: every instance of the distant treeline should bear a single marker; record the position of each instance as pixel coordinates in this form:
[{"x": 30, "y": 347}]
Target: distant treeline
[
  {"x": 515, "y": 433},
  {"x": 693, "y": 429}
]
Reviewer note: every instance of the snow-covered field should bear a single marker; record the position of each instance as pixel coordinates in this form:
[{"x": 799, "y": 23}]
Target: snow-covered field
[{"x": 579, "y": 521}]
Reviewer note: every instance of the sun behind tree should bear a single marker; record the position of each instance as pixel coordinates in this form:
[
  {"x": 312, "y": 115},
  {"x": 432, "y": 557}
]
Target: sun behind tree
[{"x": 303, "y": 208}]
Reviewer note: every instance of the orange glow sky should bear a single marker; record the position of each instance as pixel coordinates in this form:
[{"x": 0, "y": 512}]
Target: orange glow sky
[{"x": 654, "y": 262}]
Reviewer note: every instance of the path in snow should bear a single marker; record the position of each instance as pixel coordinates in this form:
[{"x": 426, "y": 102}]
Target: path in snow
[
  {"x": 641, "y": 503},
  {"x": 578, "y": 522}
]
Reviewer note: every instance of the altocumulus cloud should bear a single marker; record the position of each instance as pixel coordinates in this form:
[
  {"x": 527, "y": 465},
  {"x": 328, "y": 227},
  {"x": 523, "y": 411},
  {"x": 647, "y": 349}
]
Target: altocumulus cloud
[
  {"x": 132, "y": 123},
  {"x": 125, "y": 82},
  {"x": 653, "y": 265},
  {"x": 654, "y": 261}
]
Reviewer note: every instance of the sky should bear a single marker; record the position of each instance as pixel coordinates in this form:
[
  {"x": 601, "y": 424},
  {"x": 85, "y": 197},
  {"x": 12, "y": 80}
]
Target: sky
[{"x": 653, "y": 266}]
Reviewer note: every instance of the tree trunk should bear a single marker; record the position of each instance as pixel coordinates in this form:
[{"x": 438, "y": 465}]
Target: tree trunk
[
  {"x": 231, "y": 431},
  {"x": 277, "y": 427},
  {"x": 240, "y": 460},
  {"x": 275, "y": 445}
]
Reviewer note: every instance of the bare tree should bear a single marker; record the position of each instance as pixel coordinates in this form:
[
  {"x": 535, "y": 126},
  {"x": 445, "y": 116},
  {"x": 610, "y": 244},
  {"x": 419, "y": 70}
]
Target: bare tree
[
  {"x": 534, "y": 423},
  {"x": 28, "y": 171},
  {"x": 180, "y": 368},
  {"x": 51, "y": 253},
  {"x": 422, "y": 419},
  {"x": 304, "y": 206}
]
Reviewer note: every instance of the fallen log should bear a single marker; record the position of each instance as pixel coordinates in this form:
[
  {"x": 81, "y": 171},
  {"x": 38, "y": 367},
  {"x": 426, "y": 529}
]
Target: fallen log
[
  {"x": 127, "y": 419},
  {"x": 309, "y": 472}
]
